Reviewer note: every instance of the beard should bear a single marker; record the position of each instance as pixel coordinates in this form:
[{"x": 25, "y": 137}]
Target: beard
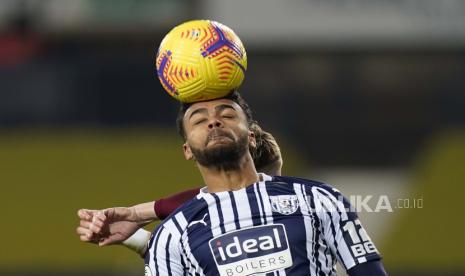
[{"x": 224, "y": 157}]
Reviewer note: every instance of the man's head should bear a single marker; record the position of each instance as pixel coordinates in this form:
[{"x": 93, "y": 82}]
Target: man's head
[
  {"x": 217, "y": 133},
  {"x": 233, "y": 96}
]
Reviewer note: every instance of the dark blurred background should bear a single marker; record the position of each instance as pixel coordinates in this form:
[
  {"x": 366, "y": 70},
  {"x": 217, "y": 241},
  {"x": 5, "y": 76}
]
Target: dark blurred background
[{"x": 366, "y": 95}]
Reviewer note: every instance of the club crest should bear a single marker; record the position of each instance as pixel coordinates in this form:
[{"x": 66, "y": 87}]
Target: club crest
[{"x": 284, "y": 204}]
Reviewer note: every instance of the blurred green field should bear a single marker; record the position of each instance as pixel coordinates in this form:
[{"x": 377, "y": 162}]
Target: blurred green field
[
  {"x": 46, "y": 176},
  {"x": 431, "y": 239}
]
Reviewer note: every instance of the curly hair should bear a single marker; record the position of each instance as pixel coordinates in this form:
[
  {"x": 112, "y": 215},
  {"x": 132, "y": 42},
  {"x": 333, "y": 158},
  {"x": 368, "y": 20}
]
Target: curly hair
[{"x": 267, "y": 151}]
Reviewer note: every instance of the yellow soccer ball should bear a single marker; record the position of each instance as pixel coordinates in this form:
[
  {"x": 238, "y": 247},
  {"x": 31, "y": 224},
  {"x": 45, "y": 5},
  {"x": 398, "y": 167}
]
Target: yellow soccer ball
[{"x": 201, "y": 60}]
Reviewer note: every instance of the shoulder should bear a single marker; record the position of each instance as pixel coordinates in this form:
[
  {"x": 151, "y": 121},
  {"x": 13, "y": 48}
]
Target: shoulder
[
  {"x": 307, "y": 183},
  {"x": 323, "y": 198},
  {"x": 316, "y": 191}
]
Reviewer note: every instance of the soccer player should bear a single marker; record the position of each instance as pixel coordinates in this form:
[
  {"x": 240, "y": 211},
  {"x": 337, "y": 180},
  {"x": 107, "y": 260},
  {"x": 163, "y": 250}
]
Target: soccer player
[
  {"x": 119, "y": 224},
  {"x": 245, "y": 223}
]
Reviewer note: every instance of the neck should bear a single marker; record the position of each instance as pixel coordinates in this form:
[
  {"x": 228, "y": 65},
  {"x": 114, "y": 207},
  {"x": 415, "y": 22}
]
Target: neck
[{"x": 218, "y": 180}]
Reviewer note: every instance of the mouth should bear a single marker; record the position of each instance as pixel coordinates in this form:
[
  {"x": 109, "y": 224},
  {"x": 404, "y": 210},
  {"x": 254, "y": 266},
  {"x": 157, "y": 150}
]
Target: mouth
[{"x": 218, "y": 136}]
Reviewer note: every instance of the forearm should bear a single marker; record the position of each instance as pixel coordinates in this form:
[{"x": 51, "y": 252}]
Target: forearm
[{"x": 144, "y": 213}]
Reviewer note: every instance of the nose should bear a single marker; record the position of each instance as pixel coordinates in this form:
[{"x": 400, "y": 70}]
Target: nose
[{"x": 215, "y": 123}]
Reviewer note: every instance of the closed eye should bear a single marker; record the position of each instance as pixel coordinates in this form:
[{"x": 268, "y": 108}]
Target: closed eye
[
  {"x": 228, "y": 114},
  {"x": 198, "y": 122}
]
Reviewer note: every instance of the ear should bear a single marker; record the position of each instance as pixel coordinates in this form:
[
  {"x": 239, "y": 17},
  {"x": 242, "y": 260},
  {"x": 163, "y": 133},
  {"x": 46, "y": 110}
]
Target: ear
[
  {"x": 187, "y": 151},
  {"x": 252, "y": 141}
]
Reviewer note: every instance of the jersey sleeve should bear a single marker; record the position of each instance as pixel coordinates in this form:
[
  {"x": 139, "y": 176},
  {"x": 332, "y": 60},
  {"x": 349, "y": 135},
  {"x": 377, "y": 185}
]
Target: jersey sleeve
[
  {"x": 165, "y": 206},
  {"x": 368, "y": 269},
  {"x": 341, "y": 227}
]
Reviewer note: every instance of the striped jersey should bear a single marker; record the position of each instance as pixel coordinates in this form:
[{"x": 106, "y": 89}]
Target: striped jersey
[{"x": 278, "y": 226}]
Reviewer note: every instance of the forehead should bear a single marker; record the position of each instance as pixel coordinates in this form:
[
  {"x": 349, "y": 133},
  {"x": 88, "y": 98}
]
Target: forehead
[{"x": 211, "y": 106}]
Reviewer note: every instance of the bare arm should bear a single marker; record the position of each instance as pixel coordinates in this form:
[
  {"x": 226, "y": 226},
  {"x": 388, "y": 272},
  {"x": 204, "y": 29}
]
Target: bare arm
[
  {"x": 141, "y": 213},
  {"x": 117, "y": 225},
  {"x": 147, "y": 212}
]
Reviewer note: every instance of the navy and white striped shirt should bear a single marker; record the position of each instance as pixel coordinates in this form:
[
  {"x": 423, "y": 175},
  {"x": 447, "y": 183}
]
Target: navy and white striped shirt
[{"x": 279, "y": 226}]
